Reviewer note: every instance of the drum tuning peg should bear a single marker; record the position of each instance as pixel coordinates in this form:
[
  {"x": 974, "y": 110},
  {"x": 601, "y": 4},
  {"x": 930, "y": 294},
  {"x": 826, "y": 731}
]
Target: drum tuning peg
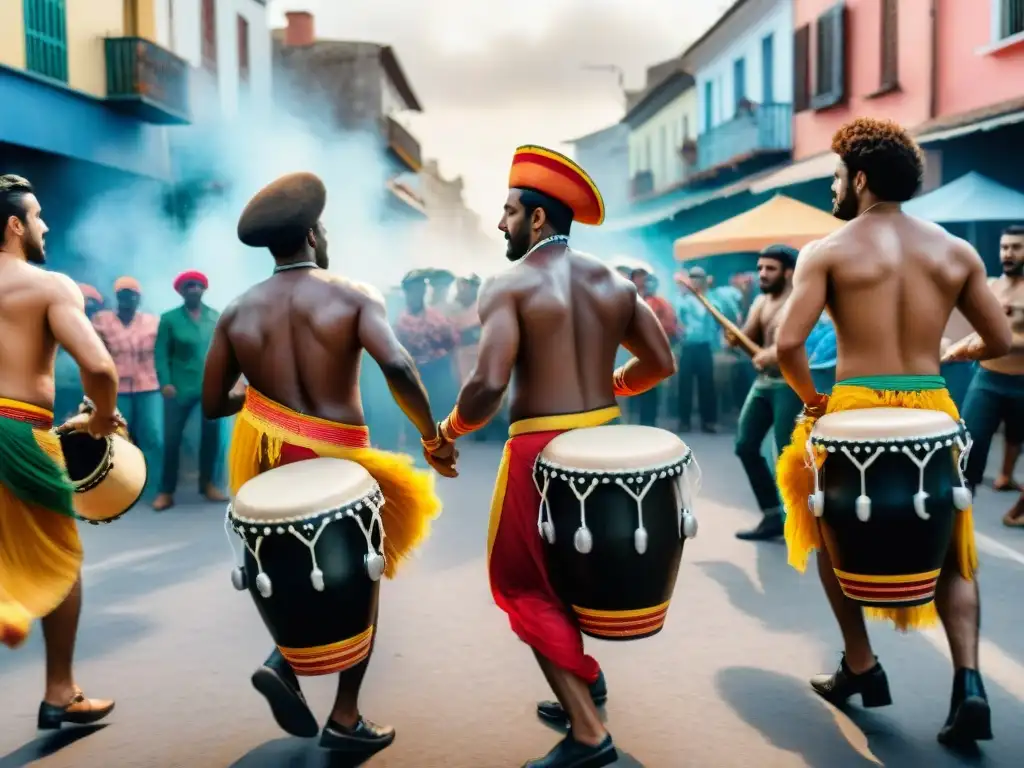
[
  {"x": 238, "y": 580},
  {"x": 863, "y": 508},
  {"x": 816, "y": 503},
  {"x": 375, "y": 564},
  {"x": 640, "y": 540},
  {"x": 583, "y": 540},
  {"x": 263, "y": 585},
  {"x": 548, "y": 530},
  {"x": 689, "y": 525},
  {"x": 317, "y": 577},
  {"x": 920, "y": 499},
  {"x": 962, "y": 498}
]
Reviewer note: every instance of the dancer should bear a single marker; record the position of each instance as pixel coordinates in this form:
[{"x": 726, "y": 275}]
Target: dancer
[
  {"x": 890, "y": 282},
  {"x": 555, "y": 320},
  {"x": 770, "y": 403},
  {"x": 297, "y": 339},
  {"x": 40, "y": 552}
]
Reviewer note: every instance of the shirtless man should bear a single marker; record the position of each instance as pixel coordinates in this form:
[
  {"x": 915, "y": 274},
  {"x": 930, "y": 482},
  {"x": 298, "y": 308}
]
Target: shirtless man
[
  {"x": 297, "y": 338},
  {"x": 996, "y": 394},
  {"x": 555, "y": 320},
  {"x": 890, "y": 282},
  {"x": 38, "y": 311},
  {"x": 770, "y": 404}
]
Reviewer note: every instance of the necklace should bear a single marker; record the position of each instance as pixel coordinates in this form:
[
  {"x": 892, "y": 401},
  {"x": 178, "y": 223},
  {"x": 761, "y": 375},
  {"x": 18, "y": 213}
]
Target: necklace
[
  {"x": 564, "y": 239},
  {"x": 296, "y": 265},
  {"x": 875, "y": 205}
]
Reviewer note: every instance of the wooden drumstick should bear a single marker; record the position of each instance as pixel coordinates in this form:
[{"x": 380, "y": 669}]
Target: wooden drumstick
[{"x": 742, "y": 339}]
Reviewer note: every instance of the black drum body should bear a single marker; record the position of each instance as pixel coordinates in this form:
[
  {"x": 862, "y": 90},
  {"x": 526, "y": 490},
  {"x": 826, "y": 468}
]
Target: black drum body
[
  {"x": 888, "y": 542},
  {"x": 613, "y": 559},
  {"x": 316, "y": 583}
]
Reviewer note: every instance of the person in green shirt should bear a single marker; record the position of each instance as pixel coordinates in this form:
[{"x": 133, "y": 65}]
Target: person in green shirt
[{"x": 182, "y": 340}]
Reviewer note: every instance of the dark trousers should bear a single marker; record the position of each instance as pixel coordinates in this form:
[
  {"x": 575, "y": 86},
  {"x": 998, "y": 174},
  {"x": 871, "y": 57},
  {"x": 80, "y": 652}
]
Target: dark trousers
[
  {"x": 992, "y": 399},
  {"x": 176, "y": 414},
  {"x": 643, "y": 409},
  {"x": 768, "y": 407},
  {"x": 696, "y": 364}
]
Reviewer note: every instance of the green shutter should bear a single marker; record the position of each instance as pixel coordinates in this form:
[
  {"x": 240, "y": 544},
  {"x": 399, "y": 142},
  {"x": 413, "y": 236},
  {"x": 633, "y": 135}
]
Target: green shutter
[{"x": 46, "y": 47}]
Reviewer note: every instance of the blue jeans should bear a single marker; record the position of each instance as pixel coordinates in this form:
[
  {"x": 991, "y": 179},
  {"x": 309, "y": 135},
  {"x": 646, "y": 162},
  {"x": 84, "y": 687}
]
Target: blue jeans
[
  {"x": 176, "y": 412},
  {"x": 144, "y": 413},
  {"x": 992, "y": 399}
]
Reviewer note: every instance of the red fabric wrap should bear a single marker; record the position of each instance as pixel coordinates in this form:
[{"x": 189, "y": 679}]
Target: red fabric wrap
[
  {"x": 190, "y": 276},
  {"x": 519, "y": 576}
]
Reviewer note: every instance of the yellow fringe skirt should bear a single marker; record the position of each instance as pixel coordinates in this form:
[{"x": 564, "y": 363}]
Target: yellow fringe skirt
[
  {"x": 796, "y": 484},
  {"x": 40, "y": 551},
  {"x": 264, "y": 428}
]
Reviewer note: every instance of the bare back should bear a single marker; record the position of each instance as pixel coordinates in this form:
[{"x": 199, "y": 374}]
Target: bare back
[
  {"x": 295, "y": 338},
  {"x": 28, "y": 348},
  {"x": 573, "y": 312},
  {"x": 893, "y": 282}
]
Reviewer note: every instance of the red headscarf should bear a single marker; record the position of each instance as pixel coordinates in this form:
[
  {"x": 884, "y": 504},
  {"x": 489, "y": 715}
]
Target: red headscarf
[{"x": 190, "y": 276}]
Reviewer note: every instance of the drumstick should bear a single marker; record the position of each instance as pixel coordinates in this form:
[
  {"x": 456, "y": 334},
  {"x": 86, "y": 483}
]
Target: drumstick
[{"x": 742, "y": 339}]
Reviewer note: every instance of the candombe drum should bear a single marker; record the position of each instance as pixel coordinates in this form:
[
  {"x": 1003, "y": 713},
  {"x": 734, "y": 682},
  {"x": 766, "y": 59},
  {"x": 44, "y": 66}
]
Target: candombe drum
[
  {"x": 107, "y": 473},
  {"x": 313, "y": 558},
  {"x": 886, "y": 491},
  {"x": 616, "y": 507}
]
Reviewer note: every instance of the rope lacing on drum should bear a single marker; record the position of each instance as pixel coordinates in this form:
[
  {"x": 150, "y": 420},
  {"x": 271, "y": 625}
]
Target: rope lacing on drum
[
  {"x": 238, "y": 572},
  {"x": 921, "y": 497},
  {"x": 316, "y": 576},
  {"x": 863, "y": 504},
  {"x": 682, "y": 487},
  {"x": 584, "y": 539},
  {"x": 962, "y": 496},
  {"x": 545, "y": 527},
  {"x": 816, "y": 502},
  {"x": 640, "y": 534},
  {"x": 375, "y": 561}
]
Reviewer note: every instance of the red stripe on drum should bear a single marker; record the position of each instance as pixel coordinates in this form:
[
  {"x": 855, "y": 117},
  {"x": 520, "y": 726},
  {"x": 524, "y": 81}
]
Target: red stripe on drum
[
  {"x": 889, "y": 595},
  {"x": 615, "y": 624},
  {"x": 328, "y": 659}
]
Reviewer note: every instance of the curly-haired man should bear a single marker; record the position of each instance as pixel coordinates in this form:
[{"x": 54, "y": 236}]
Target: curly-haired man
[{"x": 890, "y": 282}]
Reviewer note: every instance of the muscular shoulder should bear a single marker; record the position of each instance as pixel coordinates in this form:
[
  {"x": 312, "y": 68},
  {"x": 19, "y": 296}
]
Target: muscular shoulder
[
  {"x": 497, "y": 290},
  {"x": 350, "y": 290},
  {"x": 63, "y": 289}
]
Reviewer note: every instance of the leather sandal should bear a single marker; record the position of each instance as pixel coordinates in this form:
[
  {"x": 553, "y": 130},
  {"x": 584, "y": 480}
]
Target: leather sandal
[{"x": 78, "y": 711}]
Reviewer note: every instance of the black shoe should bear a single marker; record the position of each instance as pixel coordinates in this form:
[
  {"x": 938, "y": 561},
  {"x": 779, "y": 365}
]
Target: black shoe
[
  {"x": 970, "y": 718},
  {"x": 873, "y": 686},
  {"x": 569, "y": 753},
  {"x": 78, "y": 711},
  {"x": 277, "y": 682},
  {"x": 552, "y": 712},
  {"x": 770, "y": 527},
  {"x": 364, "y": 739}
]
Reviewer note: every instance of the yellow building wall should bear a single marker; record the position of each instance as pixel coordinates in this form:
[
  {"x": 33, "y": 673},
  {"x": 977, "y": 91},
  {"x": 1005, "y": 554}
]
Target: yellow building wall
[
  {"x": 88, "y": 22},
  {"x": 12, "y": 33}
]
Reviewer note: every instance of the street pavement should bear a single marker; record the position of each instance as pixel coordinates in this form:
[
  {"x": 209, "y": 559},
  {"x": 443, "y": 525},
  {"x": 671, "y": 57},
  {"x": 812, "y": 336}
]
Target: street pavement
[{"x": 723, "y": 685}]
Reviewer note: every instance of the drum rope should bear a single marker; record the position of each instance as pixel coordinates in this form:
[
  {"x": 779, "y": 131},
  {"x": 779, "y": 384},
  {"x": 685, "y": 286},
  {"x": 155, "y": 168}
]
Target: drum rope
[
  {"x": 817, "y": 501},
  {"x": 583, "y": 540},
  {"x": 863, "y": 501},
  {"x": 546, "y": 528},
  {"x": 237, "y": 556},
  {"x": 316, "y": 576},
  {"x": 640, "y": 535},
  {"x": 922, "y": 495}
]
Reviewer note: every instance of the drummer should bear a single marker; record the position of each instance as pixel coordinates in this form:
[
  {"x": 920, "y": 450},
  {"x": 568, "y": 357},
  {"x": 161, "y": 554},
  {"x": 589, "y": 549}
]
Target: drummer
[
  {"x": 890, "y": 283},
  {"x": 555, "y": 320},
  {"x": 40, "y": 551},
  {"x": 297, "y": 338}
]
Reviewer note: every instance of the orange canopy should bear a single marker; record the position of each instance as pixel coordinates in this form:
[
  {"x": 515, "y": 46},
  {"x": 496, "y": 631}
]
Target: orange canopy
[{"x": 781, "y": 220}]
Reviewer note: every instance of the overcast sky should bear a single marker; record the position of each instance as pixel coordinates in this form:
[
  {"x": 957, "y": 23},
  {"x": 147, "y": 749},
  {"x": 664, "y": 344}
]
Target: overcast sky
[{"x": 492, "y": 76}]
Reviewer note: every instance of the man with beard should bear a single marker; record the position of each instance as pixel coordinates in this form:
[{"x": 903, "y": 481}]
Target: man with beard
[
  {"x": 554, "y": 321},
  {"x": 182, "y": 340},
  {"x": 297, "y": 338},
  {"x": 996, "y": 393},
  {"x": 770, "y": 403},
  {"x": 890, "y": 283},
  {"x": 40, "y": 552}
]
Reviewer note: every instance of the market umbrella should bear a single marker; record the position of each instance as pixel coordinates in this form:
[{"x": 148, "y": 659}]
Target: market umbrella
[
  {"x": 781, "y": 220},
  {"x": 969, "y": 199}
]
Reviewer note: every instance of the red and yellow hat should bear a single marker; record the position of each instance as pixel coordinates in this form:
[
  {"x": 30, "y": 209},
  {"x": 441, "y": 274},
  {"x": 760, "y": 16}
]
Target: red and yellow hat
[{"x": 555, "y": 175}]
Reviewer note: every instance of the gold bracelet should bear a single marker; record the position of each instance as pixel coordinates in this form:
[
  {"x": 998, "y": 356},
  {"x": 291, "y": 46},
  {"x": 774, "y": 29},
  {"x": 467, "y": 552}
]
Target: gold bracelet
[{"x": 435, "y": 442}]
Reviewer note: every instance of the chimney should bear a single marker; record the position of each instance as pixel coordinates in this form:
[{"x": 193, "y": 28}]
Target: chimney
[{"x": 300, "y": 31}]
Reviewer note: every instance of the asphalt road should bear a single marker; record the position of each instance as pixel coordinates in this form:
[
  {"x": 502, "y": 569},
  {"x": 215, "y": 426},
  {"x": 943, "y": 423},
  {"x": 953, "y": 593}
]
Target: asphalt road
[{"x": 724, "y": 685}]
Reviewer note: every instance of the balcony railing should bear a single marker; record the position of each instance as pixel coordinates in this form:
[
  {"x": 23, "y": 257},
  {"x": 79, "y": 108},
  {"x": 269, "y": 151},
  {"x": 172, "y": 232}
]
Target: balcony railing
[
  {"x": 147, "y": 81},
  {"x": 756, "y": 129},
  {"x": 641, "y": 184},
  {"x": 403, "y": 144}
]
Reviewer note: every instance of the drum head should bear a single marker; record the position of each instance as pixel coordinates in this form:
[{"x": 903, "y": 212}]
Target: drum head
[
  {"x": 303, "y": 489},
  {"x": 615, "y": 447},
  {"x": 878, "y": 423}
]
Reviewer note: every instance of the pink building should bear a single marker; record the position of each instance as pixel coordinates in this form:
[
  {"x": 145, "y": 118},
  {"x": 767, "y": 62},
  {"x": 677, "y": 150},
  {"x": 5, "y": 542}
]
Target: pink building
[{"x": 928, "y": 64}]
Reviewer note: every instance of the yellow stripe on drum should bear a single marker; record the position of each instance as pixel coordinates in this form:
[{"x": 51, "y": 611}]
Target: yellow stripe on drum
[
  {"x": 328, "y": 659},
  {"x": 620, "y": 625},
  {"x": 637, "y": 613},
  {"x": 901, "y": 578}
]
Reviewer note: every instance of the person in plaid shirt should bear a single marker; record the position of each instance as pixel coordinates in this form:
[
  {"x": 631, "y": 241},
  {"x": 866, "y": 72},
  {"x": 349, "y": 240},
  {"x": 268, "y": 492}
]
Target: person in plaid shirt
[{"x": 130, "y": 336}]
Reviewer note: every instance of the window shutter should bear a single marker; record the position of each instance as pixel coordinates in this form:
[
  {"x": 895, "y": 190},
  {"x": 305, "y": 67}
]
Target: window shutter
[
  {"x": 831, "y": 58},
  {"x": 802, "y": 69},
  {"x": 890, "y": 45}
]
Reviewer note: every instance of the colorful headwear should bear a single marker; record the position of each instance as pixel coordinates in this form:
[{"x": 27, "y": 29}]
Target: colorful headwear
[
  {"x": 415, "y": 276},
  {"x": 126, "y": 283},
  {"x": 190, "y": 276},
  {"x": 555, "y": 175},
  {"x": 283, "y": 211},
  {"x": 89, "y": 292}
]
